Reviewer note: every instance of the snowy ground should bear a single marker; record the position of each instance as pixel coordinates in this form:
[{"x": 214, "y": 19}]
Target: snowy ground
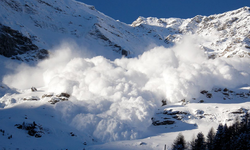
[
  {"x": 88, "y": 97},
  {"x": 112, "y": 104},
  {"x": 58, "y": 133}
]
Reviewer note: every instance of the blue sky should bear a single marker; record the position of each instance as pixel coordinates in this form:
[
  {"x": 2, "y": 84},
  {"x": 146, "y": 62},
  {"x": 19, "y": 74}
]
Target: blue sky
[{"x": 129, "y": 10}]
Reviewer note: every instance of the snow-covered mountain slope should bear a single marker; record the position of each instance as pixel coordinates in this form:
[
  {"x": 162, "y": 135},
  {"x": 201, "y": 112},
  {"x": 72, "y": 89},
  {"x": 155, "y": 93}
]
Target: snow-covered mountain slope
[
  {"x": 13, "y": 43},
  {"x": 85, "y": 96},
  {"x": 49, "y": 23},
  {"x": 224, "y": 34}
]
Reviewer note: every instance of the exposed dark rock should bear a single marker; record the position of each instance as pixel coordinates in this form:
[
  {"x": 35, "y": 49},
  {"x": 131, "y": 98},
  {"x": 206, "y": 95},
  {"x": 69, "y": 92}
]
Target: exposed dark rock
[
  {"x": 124, "y": 53},
  {"x": 225, "y": 94},
  {"x": 33, "y": 89},
  {"x": 72, "y": 134},
  {"x": 47, "y": 95},
  {"x": 42, "y": 54},
  {"x": 57, "y": 98},
  {"x": 3, "y": 131},
  {"x": 13, "y": 43},
  {"x": 199, "y": 112},
  {"x": 169, "y": 39},
  {"x": 64, "y": 95},
  {"x": 92, "y": 7},
  {"x": 171, "y": 112},
  {"x": 247, "y": 46},
  {"x": 217, "y": 89},
  {"x": 212, "y": 56},
  {"x": 209, "y": 95},
  {"x": 177, "y": 117},
  {"x": 204, "y": 92},
  {"x": 225, "y": 90},
  {"x": 166, "y": 118},
  {"x": 32, "y": 128},
  {"x": 239, "y": 111},
  {"x": 31, "y": 98},
  {"x": 165, "y": 122},
  {"x": 143, "y": 143},
  {"x": 201, "y": 101},
  {"x": 164, "y": 102},
  {"x": 54, "y": 101}
]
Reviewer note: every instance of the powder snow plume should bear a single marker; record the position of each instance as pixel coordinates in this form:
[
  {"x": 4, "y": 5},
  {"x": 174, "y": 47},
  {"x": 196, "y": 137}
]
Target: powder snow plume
[{"x": 115, "y": 100}]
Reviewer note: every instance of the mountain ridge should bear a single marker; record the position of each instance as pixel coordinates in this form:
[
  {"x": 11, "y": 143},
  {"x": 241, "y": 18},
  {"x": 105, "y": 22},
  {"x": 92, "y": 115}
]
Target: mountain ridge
[
  {"x": 88, "y": 27},
  {"x": 139, "y": 86}
]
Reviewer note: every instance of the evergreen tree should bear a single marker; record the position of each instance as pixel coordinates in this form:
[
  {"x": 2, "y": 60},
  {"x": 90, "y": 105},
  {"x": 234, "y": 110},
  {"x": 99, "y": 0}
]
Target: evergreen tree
[
  {"x": 247, "y": 118},
  {"x": 179, "y": 143},
  {"x": 234, "y": 137},
  {"x": 245, "y": 123},
  {"x": 226, "y": 137},
  {"x": 218, "y": 138},
  {"x": 192, "y": 143},
  {"x": 199, "y": 143},
  {"x": 210, "y": 139},
  {"x": 242, "y": 142},
  {"x": 236, "y": 127}
]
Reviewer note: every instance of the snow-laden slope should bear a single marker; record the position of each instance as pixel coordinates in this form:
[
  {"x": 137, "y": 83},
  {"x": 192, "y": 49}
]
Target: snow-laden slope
[
  {"x": 51, "y": 23},
  {"x": 220, "y": 35},
  {"x": 79, "y": 101},
  {"x": 119, "y": 100}
]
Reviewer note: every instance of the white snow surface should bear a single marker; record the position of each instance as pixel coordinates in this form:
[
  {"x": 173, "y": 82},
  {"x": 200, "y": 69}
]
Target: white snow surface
[
  {"x": 51, "y": 23},
  {"x": 114, "y": 100}
]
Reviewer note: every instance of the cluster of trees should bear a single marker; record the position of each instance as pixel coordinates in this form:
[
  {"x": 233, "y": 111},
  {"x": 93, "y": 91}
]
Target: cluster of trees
[{"x": 234, "y": 137}]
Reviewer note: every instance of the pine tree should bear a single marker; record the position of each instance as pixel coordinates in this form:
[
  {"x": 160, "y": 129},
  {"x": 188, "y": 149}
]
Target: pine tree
[
  {"x": 236, "y": 127},
  {"x": 218, "y": 138},
  {"x": 192, "y": 143},
  {"x": 245, "y": 123},
  {"x": 179, "y": 143},
  {"x": 226, "y": 137},
  {"x": 199, "y": 143},
  {"x": 210, "y": 139},
  {"x": 242, "y": 142},
  {"x": 247, "y": 118}
]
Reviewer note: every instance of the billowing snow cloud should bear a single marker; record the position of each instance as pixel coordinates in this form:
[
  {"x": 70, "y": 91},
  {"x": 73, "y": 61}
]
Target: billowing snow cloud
[{"x": 115, "y": 100}]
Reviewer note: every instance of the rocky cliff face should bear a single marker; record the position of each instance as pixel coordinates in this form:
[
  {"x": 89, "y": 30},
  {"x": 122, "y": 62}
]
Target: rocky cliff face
[
  {"x": 45, "y": 24},
  {"x": 14, "y": 44},
  {"x": 48, "y": 23}
]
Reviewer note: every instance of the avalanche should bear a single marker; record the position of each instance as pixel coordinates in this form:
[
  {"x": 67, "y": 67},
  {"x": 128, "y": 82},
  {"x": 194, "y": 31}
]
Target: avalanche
[
  {"x": 180, "y": 75},
  {"x": 115, "y": 100}
]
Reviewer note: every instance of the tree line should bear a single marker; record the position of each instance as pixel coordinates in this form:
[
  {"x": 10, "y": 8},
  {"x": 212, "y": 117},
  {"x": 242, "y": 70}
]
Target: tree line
[{"x": 234, "y": 137}]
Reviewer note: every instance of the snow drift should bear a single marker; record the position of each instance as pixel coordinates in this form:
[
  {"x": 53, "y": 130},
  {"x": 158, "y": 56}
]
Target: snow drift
[{"x": 115, "y": 100}]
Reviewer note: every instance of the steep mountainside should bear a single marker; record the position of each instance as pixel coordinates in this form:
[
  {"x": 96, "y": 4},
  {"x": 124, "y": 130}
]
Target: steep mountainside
[
  {"x": 13, "y": 43},
  {"x": 49, "y": 23},
  {"x": 224, "y": 34},
  {"x": 88, "y": 95}
]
